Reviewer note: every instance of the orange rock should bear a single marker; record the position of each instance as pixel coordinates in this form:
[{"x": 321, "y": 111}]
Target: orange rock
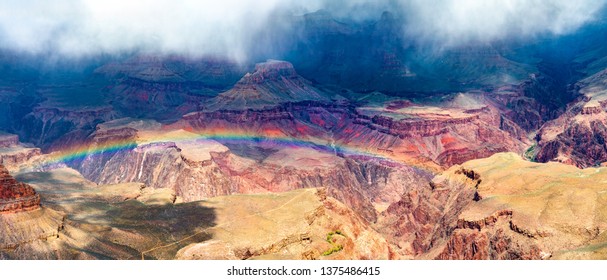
[{"x": 16, "y": 196}]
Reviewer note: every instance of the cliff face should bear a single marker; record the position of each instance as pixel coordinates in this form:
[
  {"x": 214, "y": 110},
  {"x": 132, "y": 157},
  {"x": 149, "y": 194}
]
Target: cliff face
[
  {"x": 492, "y": 237},
  {"x": 578, "y": 136},
  {"x": 271, "y": 84},
  {"x": 499, "y": 208},
  {"x": 447, "y": 138},
  {"x": 56, "y": 128},
  {"x": 16, "y": 196},
  {"x": 17, "y": 155},
  {"x": 494, "y": 245},
  {"x": 207, "y": 168},
  {"x": 13, "y": 153},
  {"x": 427, "y": 214},
  {"x": 15, "y": 103},
  {"x": 212, "y": 72},
  {"x": 166, "y": 87},
  {"x": 163, "y": 101},
  {"x": 525, "y": 111},
  {"x": 417, "y": 135}
]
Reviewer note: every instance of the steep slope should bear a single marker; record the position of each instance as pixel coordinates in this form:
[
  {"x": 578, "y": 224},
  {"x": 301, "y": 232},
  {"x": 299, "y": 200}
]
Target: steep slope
[
  {"x": 165, "y": 87},
  {"x": 14, "y": 153},
  {"x": 53, "y": 127},
  {"x": 16, "y": 196},
  {"x": 195, "y": 167},
  {"x": 578, "y": 136},
  {"x": 503, "y": 207},
  {"x": 272, "y": 83}
]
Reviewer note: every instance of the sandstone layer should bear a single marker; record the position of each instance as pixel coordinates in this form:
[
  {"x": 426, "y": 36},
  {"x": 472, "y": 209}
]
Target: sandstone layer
[
  {"x": 197, "y": 168},
  {"x": 503, "y": 207},
  {"x": 16, "y": 196},
  {"x": 13, "y": 153}
]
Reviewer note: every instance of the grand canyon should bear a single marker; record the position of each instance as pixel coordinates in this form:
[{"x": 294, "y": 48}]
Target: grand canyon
[{"x": 333, "y": 137}]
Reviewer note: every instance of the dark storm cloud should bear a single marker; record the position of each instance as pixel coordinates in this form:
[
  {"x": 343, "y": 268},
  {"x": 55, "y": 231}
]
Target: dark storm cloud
[{"x": 228, "y": 27}]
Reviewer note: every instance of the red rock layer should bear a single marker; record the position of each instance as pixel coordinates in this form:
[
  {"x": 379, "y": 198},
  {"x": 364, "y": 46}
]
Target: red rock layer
[
  {"x": 426, "y": 223},
  {"x": 16, "y": 196},
  {"x": 480, "y": 245},
  {"x": 577, "y": 137},
  {"x": 442, "y": 141}
]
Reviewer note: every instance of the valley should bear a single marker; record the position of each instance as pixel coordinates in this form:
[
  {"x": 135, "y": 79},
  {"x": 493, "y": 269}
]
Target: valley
[{"x": 346, "y": 140}]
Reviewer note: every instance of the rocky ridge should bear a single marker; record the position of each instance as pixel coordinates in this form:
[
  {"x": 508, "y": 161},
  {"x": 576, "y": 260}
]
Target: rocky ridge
[
  {"x": 418, "y": 135},
  {"x": 500, "y": 208},
  {"x": 270, "y": 84},
  {"x": 16, "y": 196},
  {"x": 578, "y": 136},
  {"x": 53, "y": 128},
  {"x": 204, "y": 168},
  {"x": 13, "y": 153}
]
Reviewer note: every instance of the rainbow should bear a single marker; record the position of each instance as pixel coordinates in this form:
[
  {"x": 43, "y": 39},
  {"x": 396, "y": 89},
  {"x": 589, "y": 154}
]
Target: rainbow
[{"x": 82, "y": 151}]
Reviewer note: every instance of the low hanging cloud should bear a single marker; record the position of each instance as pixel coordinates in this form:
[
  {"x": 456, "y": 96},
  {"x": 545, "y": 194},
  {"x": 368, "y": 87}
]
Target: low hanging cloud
[
  {"x": 228, "y": 27},
  {"x": 455, "y": 22},
  {"x": 89, "y": 27}
]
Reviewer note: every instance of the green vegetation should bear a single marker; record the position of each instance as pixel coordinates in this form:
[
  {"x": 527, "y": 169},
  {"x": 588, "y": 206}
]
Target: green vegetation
[
  {"x": 531, "y": 153},
  {"x": 335, "y": 247}
]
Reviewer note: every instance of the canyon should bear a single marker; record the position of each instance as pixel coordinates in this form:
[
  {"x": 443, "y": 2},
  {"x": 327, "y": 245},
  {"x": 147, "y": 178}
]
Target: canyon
[
  {"x": 345, "y": 141},
  {"x": 577, "y": 136}
]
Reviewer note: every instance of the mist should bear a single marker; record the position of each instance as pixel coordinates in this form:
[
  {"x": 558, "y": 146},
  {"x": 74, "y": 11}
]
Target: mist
[
  {"x": 455, "y": 22},
  {"x": 230, "y": 28}
]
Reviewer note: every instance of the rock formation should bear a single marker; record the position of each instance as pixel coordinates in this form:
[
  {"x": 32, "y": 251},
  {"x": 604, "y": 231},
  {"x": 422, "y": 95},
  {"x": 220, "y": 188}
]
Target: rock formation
[
  {"x": 500, "y": 208},
  {"x": 13, "y": 153},
  {"x": 201, "y": 169},
  {"x": 166, "y": 87},
  {"x": 16, "y": 196},
  {"x": 8, "y": 140},
  {"x": 578, "y": 136},
  {"x": 53, "y": 128},
  {"x": 271, "y": 84},
  {"x": 419, "y": 135}
]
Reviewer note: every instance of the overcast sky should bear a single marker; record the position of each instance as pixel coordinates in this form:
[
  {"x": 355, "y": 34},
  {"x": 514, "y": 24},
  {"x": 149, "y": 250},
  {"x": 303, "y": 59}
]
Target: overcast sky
[{"x": 227, "y": 27}]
